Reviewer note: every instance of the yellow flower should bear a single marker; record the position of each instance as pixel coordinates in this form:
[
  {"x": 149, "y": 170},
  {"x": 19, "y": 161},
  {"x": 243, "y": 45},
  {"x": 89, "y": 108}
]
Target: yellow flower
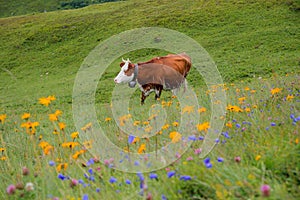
[
  {"x": 74, "y": 135},
  {"x": 107, "y": 119},
  {"x": 175, "y": 124},
  {"x": 242, "y": 99},
  {"x": 229, "y": 125},
  {"x": 159, "y": 133},
  {"x": 62, "y": 166},
  {"x": 142, "y": 148},
  {"x": 258, "y": 157},
  {"x": 246, "y": 88},
  {"x": 253, "y": 91},
  {"x": 55, "y": 132},
  {"x": 53, "y": 117},
  {"x": 46, "y": 100},
  {"x": 87, "y": 127},
  {"x": 62, "y": 126},
  {"x": 275, "y": 90},
  {"x": 201, "y": 110},
  {"x": 297, "y": 140},
  {"x": 148, "y": 129},
  {"x": 175, "y": 136},
  {"x": 87, "y": 144},
  {"x": 78, "y": 153},
  {"x": 70, "y": 145},
  {"x": 30, "y": 127},
  {"x": 136, "y": 123},
  {"x": 58, "y": 113},
  {"x": 254, "y": 106},
  {"x": 2, "y": 150},
  {"x": 135, "y": 140},
  {"x": 3, "y": 158},
  {"x": 289, "y": 97},
  {"x": 26, "y": 116},
  {"x": 146, "y": 123},
  {"x": 188, "y": 109},
  {"x": 2, "y": 118},
  {"x": 203, "y": 127},
  {"x": 47, "y": 149},
  {"x": 234, "y": 108},
  {"x": 166, "y": 126},
  {"x": 247, "y": 109}
]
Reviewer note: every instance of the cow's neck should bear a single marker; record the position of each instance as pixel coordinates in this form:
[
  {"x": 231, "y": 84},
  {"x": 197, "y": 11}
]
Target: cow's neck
[{"x": 132, "y": 83}]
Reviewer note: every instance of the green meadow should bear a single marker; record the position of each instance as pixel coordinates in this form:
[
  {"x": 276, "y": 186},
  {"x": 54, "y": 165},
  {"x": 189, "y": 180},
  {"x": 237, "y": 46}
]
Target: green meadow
[{"x": 255, "y": 45}]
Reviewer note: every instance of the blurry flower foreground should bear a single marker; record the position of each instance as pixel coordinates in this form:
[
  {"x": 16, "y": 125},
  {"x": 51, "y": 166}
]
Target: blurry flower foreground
[{"x": 257, "y": 155}]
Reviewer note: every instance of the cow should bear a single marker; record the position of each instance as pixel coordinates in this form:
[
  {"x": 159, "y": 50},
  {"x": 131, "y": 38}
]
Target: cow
[{"x": 160, "y": 73}]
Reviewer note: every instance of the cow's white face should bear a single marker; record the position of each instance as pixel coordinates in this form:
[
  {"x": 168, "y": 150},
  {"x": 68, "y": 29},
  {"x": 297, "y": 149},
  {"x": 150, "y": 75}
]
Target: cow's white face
[{"x": 123, "y": 76}]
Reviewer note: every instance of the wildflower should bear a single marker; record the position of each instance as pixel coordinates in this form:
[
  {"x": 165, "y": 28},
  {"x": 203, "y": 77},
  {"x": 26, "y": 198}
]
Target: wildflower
[
  {"x": 142, "y": 148},
  {"x": 55, "y": 132},
  {"x": 289, "y": 97},
  {"x": 252, "y": 91},
  {"x": 61, "y": 176},
  {"x": 136, "y": 139},
  {"x": 171, "y": 173},
  {"x": 241, "y": 100},
  {"x": 175, "y": 136},
  {"x": 97, "y": 189},
  {"x": 11, "y": 189},
  {"x": 220, "y": 159},
  {"x": 25, "y": 171},
  {"x": 188, "y": 109},
  {"x": 85, "y": 197},
  {"x": 234, "y": 108},
  {"x": 112, "y": 180},
  {"x": 107, "y": 119},
  {"x": 61, "y": 166},
  {"x": 175, "y": 124},
  {"x": 73, "y": 182},
  {"x": 237, "y": 159},
  {"x": 46, "y": 100},
  {"x": 192, "y": 138},
  {"x": 185, "y": 178},
  {"x": 247, "y": 88},
  {"x": 29, "y": 186},
  {"x": 197, "y": 151},
  {"x": 128, "y": 182},
  {"x": 238, "y": 125},
  {"x": 165, "y": 127},
  {"x": 19, "y": 186},
  {"x": 247, "y": 109},
  {"x": 149, "y": 196},
  {"x": 153, "y": 176},
  {"x": 62, "y": 126},
  {"x": 163, "y": 197},
  {"x": 229, "y": 124},
  {"x": 207, "y": 162},
  {"x": 265, "y": 190},
  {"x": 275, "y": 90},
  {"x": 51, "y": 163},
  {"x": 25, "y": 116},
  {"x": 87, "y": 127},
  {"x": 70, "y": 145},
  {"x": 30, "y": 127},
  {"x": 136, "y": 123},
  {"x": 258, "y": 157},
  {"x": 273, "y": 124},
  {"x": 203, "y": 127},
  {"x": 74, "y": 135},
  {"x": 202, "y": 110}
]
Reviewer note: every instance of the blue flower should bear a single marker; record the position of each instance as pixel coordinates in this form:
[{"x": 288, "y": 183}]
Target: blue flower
[
  {"x": 130, "y": 139},
  {"x": 209, "y": 165},
  {"x": 90, "y": 162},
  {"x": 80, "y": 181},
  {"x": 185, "y": 178},
  {"x": 201, "y": 138},
  {"x": 153, "y": 176},
  {"x": 140, "y": 175},
  {"x": 61, "y": 176},
  {"x": 220, "y": 159},
  {"x": 171, "y": 173},
  {"x": 238, "y": 125},
  {"x": 206, "y": 160},
  {"x": 136, "y": 163},
  {"x": 192, "y": 138},
  {"x": 273, "y": 124},
  {"x": 90, "y": 171},
  {"x": 226, "y": 134},
  {"x": 163, "y": 197},
  {"x": 85, "y": 197},
  {"x": 97, "y": 189},
  {"x": 217, "y": 140},
  {"x": 128, "y": 182},
  {"x": 51, "y": 163},
  {"x": 112, "y": 179}
]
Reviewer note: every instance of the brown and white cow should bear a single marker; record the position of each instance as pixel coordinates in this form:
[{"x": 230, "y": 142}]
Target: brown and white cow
[{"x": 160, "y": 73}]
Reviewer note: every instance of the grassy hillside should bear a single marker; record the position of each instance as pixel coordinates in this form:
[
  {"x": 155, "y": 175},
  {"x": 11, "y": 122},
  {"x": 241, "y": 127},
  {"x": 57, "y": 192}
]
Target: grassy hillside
[{"x": 17, "y": 7}]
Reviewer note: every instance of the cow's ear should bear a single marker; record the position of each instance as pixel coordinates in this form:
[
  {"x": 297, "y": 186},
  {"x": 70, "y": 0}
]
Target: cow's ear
[
  {"x": 130, "y": 65},
  {"x": 122, "y": 63}
]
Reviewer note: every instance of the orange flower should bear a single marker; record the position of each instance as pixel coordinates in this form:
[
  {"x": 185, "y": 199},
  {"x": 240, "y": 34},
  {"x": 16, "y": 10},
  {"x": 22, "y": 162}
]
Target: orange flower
[
  {"x": 188, "y": 109},
  {"x": 58, "y": 113},
  {"x": 62, "y": 126},
  {"x": 70, "y": 145},
  {"x": 258, "y": 157},
  {"x": 26, "y": 116},
  {"x": 2, "y": 118},
  {"x": 62, "y": 166},
  {"x": 136, "y": 123},
  {"x": 78, "y": 153},
  {"x": 229, "y": 125},
  {"x": 234, "y": 108},
  {"x": 46, "y": 100},
  {"x": 53, "y": 117},
  {"x": 74, "y": 135},
  {"x": 275, "y": 90},
  {"x": 247, "y": 109},
  {"x": 135, "y": 140},
  {"x": 166, "y": 126},
  {"x": 175, "y": 124},
  {"x": 87, "y": 127},
  {"x": 175, "y": 136},
  {"x": 142, "y": 148},
  {"x": 246, "y": 88},
  {"x": 289, "y": 97},
  {"x": 242, "y": 99},
  {"x": 30, "y": 127},
  {"x": 107, "y": 119},
  {"x": 203, "y": 127},
  {"x": 201, "y": 110}
]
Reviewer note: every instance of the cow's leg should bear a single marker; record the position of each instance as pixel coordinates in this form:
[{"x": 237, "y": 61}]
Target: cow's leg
[
  {"x": 158, "y": 90},
  {"x": 145, "y": 92},
  {"x": 143, "y": 97}
]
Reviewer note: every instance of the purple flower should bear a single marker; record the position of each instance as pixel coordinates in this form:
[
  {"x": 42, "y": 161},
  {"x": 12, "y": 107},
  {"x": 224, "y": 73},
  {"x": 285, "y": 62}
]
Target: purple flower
[
  {"x": 97, "y": 189},
  {"x": 217, "y": 140},
  {"x": 85, "y": 197},
  {"x": 51, "y": 163},
  {"x": 185, "y": 178},
  {"x": 136, "y": 163},
  {"x": 192, "y": 138},
  {"x": 265, "y": 190},
  {"x": 197, "y": 151},
  {"x": 206, "y": 160},
  {"x": 208, "y": 165},
  {"x": 237, "y": 159},
  {"x": 112, "y": 180},
  {"x": 273, "y": 124},
  {"x": 171, "y": 173},
  {"x": 90, "y": 171},
  {"x": 130, "y": 139},
  {"x": 90, "y": 162},
  {"x": 11, "y": 189},
  {"x": 61, "y": 176},
  {"x": 238, "y": 125},
  {"x": 153, "y": 176},
  {"x": 226, "y": 134},
  {"x": 128, "y": 182},
  {"x": 201, "y": 138},
  {"x": 220, "y": 159},
  {"x": 163, "y": 197}
]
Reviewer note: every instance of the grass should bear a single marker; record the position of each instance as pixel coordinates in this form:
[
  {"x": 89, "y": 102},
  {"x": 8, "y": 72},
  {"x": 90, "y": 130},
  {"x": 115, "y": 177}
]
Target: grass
[{"x": 254, "y": 44}]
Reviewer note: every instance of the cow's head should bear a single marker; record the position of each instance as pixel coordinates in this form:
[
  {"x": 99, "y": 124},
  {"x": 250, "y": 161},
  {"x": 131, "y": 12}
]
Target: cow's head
[{"x": 127, "y": 72}]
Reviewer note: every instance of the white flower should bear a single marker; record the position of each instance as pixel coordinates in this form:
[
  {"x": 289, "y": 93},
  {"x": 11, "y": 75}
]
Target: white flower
[{"x": 29, "y": 186}]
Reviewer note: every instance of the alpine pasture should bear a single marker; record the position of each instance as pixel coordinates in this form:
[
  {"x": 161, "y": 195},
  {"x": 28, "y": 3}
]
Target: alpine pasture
[{"x": 255, "y": 45}]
